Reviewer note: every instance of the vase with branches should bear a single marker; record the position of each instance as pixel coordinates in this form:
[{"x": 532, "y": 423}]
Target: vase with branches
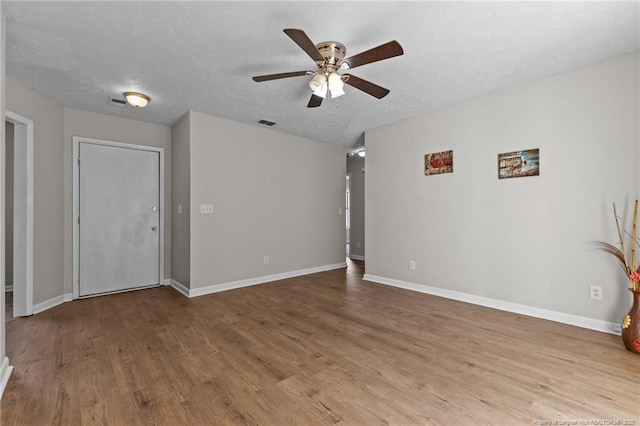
[{"x": 631, "y": 266}]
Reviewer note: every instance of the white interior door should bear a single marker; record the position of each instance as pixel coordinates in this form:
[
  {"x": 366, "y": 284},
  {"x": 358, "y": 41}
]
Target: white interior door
[{"x": 119, "y": 218}]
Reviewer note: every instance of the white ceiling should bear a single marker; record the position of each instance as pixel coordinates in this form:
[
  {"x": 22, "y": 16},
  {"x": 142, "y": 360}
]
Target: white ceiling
[{"x": 201, "y": 55}]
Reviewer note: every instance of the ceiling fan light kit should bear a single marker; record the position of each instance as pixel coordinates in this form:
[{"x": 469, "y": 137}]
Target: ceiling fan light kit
[
  {"x": 329, "y": 57},
  {"x": 318, "y": 85},
  {"x": 321, "y": 82},
  {"x": 336, "y": 85}
]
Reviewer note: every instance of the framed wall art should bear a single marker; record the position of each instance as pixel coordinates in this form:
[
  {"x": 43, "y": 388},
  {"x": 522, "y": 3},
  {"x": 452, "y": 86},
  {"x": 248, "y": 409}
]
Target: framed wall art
[
  {"x": 438, "y": 163},
  {"x": 519, "y": 164}
]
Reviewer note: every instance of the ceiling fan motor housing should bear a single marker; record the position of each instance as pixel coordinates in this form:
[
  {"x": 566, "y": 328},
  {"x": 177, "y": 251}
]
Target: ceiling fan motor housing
[{"x": 333, "y": 53}]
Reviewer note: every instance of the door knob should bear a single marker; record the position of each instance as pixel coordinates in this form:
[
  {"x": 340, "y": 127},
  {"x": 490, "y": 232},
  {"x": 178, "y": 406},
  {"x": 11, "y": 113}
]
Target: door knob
[{"x": 154, "y": 228}]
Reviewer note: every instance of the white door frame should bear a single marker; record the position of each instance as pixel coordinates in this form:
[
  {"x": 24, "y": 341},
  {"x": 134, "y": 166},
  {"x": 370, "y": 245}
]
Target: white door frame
[
  {"x": 76, "y": 202},
  {"x": 23, "y": 215}
]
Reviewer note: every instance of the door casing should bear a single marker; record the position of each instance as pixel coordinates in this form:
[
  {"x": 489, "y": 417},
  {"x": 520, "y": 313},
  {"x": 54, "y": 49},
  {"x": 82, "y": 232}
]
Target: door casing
[{"x": 76, "y": 202}]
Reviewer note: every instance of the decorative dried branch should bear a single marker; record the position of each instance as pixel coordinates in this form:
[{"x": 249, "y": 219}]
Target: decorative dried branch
[
  {"x": 622, "y": 250},
  {"x": 611, "y": 249},
  {"x": 631, "y": 266},
  {"x": 633, "y": 236}
]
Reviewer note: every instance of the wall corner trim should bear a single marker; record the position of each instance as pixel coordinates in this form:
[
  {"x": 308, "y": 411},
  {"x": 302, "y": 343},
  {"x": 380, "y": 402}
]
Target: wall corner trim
[
  {"x": 215, "y": 288},
  {"x": 5, "y": 373},
  {"x": 48, "y": 304},
  {"x": 531, "y": 311}
]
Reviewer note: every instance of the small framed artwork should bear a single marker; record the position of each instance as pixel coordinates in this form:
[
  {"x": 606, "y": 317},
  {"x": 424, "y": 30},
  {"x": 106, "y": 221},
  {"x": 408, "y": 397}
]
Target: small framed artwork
[
  {"x": 519, "y": 164},
  {"x": 438, "y": 163}
]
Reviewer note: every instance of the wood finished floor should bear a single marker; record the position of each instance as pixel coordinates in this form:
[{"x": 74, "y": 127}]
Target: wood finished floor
[{"x": 326, "y": 348}]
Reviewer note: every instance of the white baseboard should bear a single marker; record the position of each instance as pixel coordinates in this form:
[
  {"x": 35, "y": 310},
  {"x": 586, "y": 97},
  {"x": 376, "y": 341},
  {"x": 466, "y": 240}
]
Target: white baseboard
[
  {"x": 5, "y": 373},
  {"x": 179, "y": 287},
  {"x": 215, "y": 288},
  {"x": 356, "y": 257},
  {"x": 48, "y": 304},
  {"x": 8, "y": 288},
  {"x": 561, "y": 317}
]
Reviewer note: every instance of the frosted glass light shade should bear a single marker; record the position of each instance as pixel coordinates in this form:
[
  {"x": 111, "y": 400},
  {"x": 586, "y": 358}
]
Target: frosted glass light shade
[
  {"x": 319, "y": 85},
  {"x": 136, "y": 99},
  {"x": 336, "y": 85}
]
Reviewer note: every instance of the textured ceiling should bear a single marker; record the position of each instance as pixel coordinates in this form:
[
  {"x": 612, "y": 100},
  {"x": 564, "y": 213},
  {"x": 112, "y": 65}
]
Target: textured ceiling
[{"x": 201, "y": 55}]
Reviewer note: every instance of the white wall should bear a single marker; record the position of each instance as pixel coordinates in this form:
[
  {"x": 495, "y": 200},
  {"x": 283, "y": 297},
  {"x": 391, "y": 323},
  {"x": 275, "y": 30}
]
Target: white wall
[
  {"x": 522, "y": 240},
  {"x": 106, "y": 127},
  {"x": 274, "y": 195},
  {"x": 5, "y": 368},
  {"x": 180, "y": 182},
  {"x": 48, "y": 202},
  {"x": 8, "y": 206}
]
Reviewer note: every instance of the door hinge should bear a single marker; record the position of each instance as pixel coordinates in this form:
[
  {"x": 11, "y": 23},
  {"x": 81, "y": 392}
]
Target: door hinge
[{"x": 78, "y": 220}]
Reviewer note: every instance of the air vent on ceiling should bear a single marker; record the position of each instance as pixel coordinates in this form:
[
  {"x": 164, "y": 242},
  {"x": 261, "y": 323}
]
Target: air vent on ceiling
[
  {"x": 120, "y": 103},
  {"x": 267, "y": 123}
]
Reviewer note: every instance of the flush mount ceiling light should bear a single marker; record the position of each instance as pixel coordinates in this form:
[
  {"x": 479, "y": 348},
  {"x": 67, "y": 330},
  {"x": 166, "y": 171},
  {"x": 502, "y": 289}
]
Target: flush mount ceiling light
[{"x": 136, "y": 99}]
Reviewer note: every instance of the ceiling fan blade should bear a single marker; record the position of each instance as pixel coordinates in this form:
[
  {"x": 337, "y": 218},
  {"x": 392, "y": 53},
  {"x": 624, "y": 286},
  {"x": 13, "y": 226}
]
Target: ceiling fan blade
[
  {"x": 366, "y": 86},
  {"x": 314, "y": 102},
  {"x": 302, "y": 40},
  {"x": 384, "y": 51},
  {"x": 268, "y": 77}
]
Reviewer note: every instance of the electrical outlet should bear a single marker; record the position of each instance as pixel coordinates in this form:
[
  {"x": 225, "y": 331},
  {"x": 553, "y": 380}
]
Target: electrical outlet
[
  {"x": 412, "y": 265},
  {"x": 339, "y": 210},
  {"x": 596, "y": 292},
  {"x": 358, "y": 245},
  {"x": 206, "y": 208},
  {"x": 266, "y": 260},
  {"x": 179, "y": 208}
]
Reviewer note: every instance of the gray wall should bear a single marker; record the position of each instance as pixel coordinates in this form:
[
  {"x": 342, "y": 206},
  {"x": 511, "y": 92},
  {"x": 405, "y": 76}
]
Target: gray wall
[
  {"x": 355, "y": 165},
  {"x": 100, "y": 126},
  {"x": 523, "y": 240},
  {"x": 180, "y": 178},
  {"x": 8, "y": 206},
  {"x": 274, "y": 195},
  {"x": 4, "y": 361},
  {"x": 48, "y": 202}
]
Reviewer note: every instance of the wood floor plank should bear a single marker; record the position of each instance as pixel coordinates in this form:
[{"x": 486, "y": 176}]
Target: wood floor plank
[{"x": 326, "y": 348}]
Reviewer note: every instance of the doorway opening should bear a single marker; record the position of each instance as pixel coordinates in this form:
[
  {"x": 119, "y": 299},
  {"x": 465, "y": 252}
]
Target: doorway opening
[{"x": 19, "y": 212}]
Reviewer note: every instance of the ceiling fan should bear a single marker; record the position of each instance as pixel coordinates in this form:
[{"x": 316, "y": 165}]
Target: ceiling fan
[{"x": 329, "y": 57}]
